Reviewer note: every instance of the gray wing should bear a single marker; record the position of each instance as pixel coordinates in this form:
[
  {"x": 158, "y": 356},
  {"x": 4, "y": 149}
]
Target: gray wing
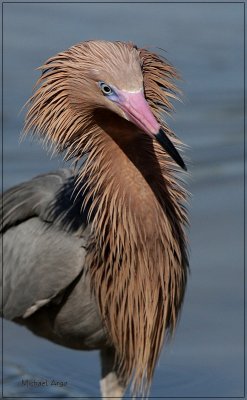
[{"x": 44, "y": 240}]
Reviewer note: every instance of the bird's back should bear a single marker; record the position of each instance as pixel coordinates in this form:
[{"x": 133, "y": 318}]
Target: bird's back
[{"x": 45, "y": 286}]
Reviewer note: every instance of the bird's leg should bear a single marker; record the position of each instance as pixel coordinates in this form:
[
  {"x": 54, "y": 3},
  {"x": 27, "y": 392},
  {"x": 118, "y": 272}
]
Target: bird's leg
[{"x": 111, "y": 385}]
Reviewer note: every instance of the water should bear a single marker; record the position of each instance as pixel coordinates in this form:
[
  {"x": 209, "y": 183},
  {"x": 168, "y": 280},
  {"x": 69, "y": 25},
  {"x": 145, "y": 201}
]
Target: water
[{"x": 205, "y": 43}]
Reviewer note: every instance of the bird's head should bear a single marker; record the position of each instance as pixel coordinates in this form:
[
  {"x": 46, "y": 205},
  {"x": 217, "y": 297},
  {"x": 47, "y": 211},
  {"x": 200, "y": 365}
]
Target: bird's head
[{"x": 133, "y": 83}]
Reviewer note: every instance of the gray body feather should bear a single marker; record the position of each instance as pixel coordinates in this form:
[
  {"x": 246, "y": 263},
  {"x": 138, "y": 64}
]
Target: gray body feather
[{"x": 44, "y": 246}]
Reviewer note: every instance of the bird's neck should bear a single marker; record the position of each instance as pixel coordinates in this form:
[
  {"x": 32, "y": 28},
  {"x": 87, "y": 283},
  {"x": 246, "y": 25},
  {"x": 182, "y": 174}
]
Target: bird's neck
[
  {"x": 131, "y": 171},
  {"x": 137, "y": 258}
]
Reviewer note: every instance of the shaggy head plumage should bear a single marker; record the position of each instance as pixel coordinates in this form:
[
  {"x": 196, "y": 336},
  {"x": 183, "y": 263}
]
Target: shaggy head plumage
[{"x": 137, "y": 254}]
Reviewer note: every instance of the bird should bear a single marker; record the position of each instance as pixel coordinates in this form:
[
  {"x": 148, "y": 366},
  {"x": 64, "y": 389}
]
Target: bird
[{"x": 95, "y": 256}]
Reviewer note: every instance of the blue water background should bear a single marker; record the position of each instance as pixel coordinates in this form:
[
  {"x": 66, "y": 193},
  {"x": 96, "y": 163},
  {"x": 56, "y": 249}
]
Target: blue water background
[{"x": 205, "y": 43}]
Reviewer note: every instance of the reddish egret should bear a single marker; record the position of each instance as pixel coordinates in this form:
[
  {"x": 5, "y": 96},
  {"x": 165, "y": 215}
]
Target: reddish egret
[{"x": 96, "y": 257}]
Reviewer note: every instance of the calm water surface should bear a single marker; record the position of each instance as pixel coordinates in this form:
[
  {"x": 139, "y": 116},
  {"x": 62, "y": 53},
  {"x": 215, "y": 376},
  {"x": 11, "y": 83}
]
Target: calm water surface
[{"x": 205, "y": 43}]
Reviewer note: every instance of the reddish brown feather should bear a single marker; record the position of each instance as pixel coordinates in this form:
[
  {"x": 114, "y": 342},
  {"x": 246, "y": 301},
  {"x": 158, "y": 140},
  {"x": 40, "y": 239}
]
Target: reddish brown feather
[{"x": 137, "y": 254}]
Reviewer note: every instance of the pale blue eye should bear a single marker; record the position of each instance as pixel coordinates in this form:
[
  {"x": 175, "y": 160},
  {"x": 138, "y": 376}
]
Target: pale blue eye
[{"x": 106, "y": 89}]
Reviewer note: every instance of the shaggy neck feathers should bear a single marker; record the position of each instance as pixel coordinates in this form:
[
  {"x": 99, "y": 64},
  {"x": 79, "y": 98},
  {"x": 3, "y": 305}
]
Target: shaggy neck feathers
[
  {"x": 137, "y": 249},
  {"x": 137, "y": 258}
]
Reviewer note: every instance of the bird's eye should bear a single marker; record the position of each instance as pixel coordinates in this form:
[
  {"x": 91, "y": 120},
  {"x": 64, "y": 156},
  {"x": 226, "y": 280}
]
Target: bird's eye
[{"x": 106, "y": 89}]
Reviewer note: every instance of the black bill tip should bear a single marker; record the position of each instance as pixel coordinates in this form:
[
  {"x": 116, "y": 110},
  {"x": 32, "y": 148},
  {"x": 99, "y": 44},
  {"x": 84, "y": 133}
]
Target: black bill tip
[{"x": 169, "y": 147}]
